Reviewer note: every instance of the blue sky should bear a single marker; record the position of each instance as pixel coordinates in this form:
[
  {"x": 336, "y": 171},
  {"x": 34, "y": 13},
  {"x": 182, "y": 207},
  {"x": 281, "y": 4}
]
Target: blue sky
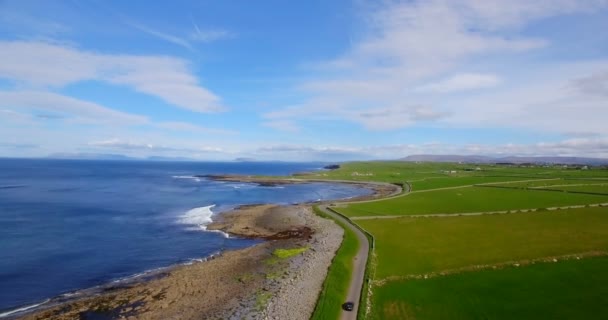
[{"x": 307, "y": 80}]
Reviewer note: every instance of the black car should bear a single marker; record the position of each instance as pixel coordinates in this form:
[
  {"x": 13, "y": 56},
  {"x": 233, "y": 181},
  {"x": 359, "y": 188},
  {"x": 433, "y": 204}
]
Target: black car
[{"x": 348, "y": 306}]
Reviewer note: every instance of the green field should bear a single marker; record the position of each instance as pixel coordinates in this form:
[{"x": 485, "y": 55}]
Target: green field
[
  {"x": 573, "y": 289},
  {"x": 407, "y": 246},
  {"x": 551, "y": 183},
  {"x": 425, "y": 176},
  {"x": 459, "y": 253},
  {"x": 335, "y": 287},
  {"x": 601, "y": 189},
  {"x": 469, "y": 199}
]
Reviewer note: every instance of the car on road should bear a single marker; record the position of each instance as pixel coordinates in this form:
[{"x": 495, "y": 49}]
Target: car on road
[{"x": 348, "y": 306}]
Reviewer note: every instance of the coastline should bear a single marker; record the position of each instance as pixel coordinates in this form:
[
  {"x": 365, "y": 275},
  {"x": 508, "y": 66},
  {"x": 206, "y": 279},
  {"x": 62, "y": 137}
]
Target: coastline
[
  {"x": 381, "y": 190},
  {"x": 236, "y": 284}
]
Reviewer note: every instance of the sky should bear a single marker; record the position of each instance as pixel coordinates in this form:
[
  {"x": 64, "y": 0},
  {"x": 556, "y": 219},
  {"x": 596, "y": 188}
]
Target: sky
[{"x": 303, "y": 80}]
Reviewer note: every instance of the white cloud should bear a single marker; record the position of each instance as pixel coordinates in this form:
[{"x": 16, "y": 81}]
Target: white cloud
[
  {"x": 209, "y": 35},
  {"x": 461, "y": 82},
  {"x": 75, "y": 109},
  {"x": 590, "y": 147},
  {"x": 282, "y": 125},
  {"x": 31, "y": 107},
  {"x": 553, "y": 100},
  {"x": 188, "y": 127},
  {"x": 41, "y": 64},
  {"x": 161, "y": 35},
  {"x": 126, "y": 145},
  {"x": 197, "y": 35},
  {"x": 22, "y": 22},
  {"x": 386, "y": 76},
  {"x": 594, "y": 84}
]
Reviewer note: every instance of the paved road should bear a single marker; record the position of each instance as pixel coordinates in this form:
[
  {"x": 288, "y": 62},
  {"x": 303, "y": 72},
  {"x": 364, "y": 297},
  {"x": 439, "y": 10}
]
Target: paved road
[{"x": 360, "y": 261}]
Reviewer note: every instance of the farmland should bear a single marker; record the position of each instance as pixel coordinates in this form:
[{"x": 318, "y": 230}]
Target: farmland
[
  {"x": 410, "y": 246},
  {"x": 470, "y": 199},
  {"x": 484, "y": 241},
  {"x": 572, "y": 289}
]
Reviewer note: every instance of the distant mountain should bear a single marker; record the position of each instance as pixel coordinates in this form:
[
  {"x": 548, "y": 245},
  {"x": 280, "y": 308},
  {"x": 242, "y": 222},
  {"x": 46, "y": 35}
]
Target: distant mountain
[
  {"x": 161, "y": 158},
  {"x": 90, "y": 156},
  {"x": 245, "y": 159},
  {"x": 511, "y": 159}
]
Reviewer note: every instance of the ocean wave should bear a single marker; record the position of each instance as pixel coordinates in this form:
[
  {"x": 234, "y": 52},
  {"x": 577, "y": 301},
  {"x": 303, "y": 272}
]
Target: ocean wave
[
  {"x": 197, "y": 179},
  {"x": 22, "y": 309},
  {"x": 199, "y": 218},
  {"x": 207, "y": 258}
]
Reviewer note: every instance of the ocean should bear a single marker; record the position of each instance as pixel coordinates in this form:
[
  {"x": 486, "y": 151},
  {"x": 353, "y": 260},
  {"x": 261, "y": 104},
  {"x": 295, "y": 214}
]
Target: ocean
[{"x": 67, "y": 225}]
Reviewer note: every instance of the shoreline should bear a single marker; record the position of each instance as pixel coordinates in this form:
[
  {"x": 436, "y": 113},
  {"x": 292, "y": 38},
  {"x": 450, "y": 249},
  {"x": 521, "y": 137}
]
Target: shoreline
[
  {"x": 231, "y": 284},
  {"x": 126, "y": 300},
  {"x": 381, "y": 190}
]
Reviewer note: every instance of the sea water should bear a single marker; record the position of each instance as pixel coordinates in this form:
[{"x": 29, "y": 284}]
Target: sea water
[{"x": 66, "y": 225}]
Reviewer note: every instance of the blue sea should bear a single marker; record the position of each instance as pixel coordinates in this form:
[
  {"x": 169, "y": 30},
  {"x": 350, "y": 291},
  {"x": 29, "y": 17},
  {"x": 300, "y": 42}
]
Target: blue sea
[{"x": 66, "y": 225}]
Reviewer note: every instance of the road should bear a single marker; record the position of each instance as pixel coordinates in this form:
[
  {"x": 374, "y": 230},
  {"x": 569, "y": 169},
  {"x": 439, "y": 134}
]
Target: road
[{"x": 359, "y": 262}]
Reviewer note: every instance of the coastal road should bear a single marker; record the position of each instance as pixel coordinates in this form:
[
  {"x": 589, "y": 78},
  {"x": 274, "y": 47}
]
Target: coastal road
[{"x": 359, "y": 263}]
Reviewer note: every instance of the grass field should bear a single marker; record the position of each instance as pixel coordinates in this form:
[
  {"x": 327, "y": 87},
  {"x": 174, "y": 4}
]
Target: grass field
[
  {"x": 550, "y": 183},
  {"x": 602, "y": 189},
  {"x": 458, "y": 253},
  {"x": 573, "y": 289},
  {"x": 469, "y": 199},
  {"x": 421, "y": 245},
  {"x": 335, "y": 287},
  {"x": 425, "y": 176}
]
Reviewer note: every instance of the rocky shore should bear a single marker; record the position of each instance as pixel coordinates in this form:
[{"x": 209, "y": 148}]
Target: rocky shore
[
  {"x": 278, "y": 279},
  {"x": 379, "y": 189}
]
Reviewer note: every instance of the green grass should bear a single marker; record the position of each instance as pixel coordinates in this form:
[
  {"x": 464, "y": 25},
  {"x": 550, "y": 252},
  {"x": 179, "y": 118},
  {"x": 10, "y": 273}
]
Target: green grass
[
  {"x": 406, "y": 246},
  {"x": 469, "y": 199},
  {"x": 335, "y": 287},
  {"x": 288, "y": 253},
  {"x": 573, "y": 289},
  {"x": 438, "y": 175},
  {"x": 458, "y": 181},
  {"x": 553, "y": 182},
  {"x": 603, "y": 188},
  {"x": 261, "y": 300},
  {"x": 421, "y": 245}
]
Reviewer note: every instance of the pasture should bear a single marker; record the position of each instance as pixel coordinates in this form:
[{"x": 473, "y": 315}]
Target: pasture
[
  {"x": 485, "y": 265},
  {"x": 571, "y": 289},
  {"x": 412, "y": 246},
  {"x": 469, "y": 199}
]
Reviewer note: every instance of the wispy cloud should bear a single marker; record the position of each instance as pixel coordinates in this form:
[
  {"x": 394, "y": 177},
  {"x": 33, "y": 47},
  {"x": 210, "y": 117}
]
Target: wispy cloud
[
  {"x": 461, "y": 82},
  {"x": 119, "y": 144},
  {"x": 282, "y": 125},
  {"x": 23, "y": 23},
  {"x": 41, "y": 64},
  {"x": 590, "y": 147},
  {"x": 36, "y": 101},
  {"x": 188, "y": 127},
  {"x": 209, "y": 35},
  {"x": 594, "y": 84},
  {"x": 161, "y": 35},
  {"x": 418, "y": 53},
  {"x": 29, "y": 106},
  {"x": 197, "y": 34}
]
